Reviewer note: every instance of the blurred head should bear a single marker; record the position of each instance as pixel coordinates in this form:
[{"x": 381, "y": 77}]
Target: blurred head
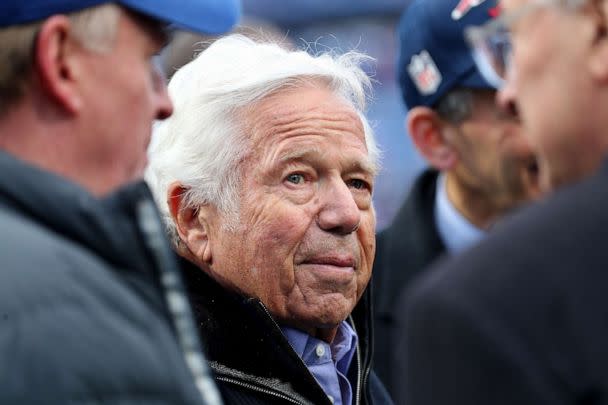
[
  {"x": 452, "y": 117},
  {"x": 86, "y": 80},
  {"x": 557, "y": 79},
  {"x": 479, "y": 146},
  {"x": 265, "y": 174}
]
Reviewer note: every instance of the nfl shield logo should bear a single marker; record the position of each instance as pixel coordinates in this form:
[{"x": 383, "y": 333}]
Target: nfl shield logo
[
  {"x": 463, "y": 8},
  {"x": 424, "y": 73}
]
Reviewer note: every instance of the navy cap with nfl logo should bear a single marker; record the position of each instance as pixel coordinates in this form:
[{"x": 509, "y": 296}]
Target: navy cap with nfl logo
[{"x": 433, "y": 55}]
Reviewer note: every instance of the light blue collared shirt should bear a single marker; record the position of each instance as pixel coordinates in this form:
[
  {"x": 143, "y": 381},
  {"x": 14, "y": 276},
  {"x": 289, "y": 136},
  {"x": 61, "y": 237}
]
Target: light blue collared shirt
[
  {"x": 456, "y": 232},
  {"x": 328, "y": 363}
]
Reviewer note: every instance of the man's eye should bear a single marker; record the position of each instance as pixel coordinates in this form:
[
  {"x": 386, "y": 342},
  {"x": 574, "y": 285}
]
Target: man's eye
[
  {"x": 358, "y": 184},
  {"x": 296, "y": 178}
]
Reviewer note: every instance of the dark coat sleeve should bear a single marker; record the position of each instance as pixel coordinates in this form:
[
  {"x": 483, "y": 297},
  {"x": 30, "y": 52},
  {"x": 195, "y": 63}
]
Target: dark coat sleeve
[
  {"x": 452, "y": 353},
  {"x": 522, "y": 318}
]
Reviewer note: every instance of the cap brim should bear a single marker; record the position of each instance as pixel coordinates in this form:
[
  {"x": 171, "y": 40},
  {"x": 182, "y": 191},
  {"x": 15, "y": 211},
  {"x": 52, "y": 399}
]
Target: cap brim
[
  {"x": 202, "y": 16},
  {"x": 474, "y": 80}
]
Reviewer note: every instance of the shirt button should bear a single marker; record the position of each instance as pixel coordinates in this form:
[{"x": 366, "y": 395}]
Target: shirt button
[
  {"x": 331, "y": 399},
  {"x": 320, "y": 350}
]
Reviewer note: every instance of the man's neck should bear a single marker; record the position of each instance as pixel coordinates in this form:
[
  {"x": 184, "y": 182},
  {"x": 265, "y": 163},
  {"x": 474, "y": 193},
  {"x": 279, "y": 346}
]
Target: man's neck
[
  {"x": 50, "y": 140},
  {"x": 325, "y": 334},
  {"x": 38, "y": 141}
]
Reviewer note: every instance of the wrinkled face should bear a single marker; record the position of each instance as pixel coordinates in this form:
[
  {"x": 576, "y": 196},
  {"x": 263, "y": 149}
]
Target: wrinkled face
[
  {"x": 495, "y": 158},
  {"x": 305, "y": 241},
  {"x": 124, "y": 95},
  {"x": 554, "y": 90}
]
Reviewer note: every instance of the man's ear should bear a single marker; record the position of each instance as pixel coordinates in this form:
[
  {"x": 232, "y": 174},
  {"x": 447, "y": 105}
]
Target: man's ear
[
  {"x": 598, "y": 63},
  {"x": 426, "y": 128},
  {"x": 191, "y": 224},
  {"x": 55, "y": 59}
]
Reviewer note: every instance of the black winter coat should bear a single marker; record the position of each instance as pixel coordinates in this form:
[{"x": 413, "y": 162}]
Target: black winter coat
[
  {"x": 403, "y": 250},
  {"x": 82, "y": 315},
  {"x": 522, "y": 318},
  {"x": 253, "y": 361}
]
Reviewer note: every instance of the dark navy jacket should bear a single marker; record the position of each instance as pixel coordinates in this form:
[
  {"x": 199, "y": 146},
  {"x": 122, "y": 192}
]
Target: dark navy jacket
[{"x": 82, "y": 316}]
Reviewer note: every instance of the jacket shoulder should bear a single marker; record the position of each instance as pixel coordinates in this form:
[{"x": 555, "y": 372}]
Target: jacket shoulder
[
  {"x": 67, "y": 316},
  {"x": 563, "y": 234}
]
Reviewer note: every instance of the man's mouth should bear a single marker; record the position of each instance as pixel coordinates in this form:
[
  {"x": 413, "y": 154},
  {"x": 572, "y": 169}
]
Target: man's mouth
[
  {"x": 532, "y": 167},
  {"x": 530, "y": 175},
  {"x": 338, "y": 261}
]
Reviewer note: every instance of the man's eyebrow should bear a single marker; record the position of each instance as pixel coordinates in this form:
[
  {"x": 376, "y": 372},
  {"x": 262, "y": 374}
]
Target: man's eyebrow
[
  {"x": 365, "y": 166},
  {"x": 315, "y": 155},
  {"x": 167, "y": 33},
  {"x": 301, "y": 154}
]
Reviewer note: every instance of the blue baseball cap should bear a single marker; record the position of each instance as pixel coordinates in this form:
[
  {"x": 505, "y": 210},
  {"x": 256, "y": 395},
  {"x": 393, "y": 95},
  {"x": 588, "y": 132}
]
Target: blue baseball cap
[
  {"x": 204, "y": 16},
  {"x": 433, "y": 55}
]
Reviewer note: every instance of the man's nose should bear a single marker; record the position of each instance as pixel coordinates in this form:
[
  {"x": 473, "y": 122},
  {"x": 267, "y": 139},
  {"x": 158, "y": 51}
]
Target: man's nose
[
  {"x": 506, "y": 97},
  {"x": 339, "y": 212},
  {"x": 165, "y": 105}
]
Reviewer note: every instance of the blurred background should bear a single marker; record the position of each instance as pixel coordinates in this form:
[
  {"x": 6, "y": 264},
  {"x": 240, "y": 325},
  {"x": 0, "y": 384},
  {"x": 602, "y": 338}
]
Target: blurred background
[{"x": 338, "y": 25}]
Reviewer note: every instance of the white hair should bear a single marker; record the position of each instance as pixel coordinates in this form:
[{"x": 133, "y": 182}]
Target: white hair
[{"x": 202, "y": 143}]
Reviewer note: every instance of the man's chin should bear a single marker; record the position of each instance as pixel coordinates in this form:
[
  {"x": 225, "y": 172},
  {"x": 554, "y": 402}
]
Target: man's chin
[
  {"x": 321, "y": 314},
  {"x": 329, "y": 318}
]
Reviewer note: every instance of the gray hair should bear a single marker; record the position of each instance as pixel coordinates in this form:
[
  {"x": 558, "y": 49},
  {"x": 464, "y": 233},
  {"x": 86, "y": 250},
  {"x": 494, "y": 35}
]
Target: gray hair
[
  {"x": 201, "y": 145},
  {"x": 95, "y": 28}
]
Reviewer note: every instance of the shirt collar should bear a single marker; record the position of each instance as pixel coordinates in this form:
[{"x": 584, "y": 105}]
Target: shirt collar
[
  {"x": 456, "y": 232},
  {"x": 342, "y": 348},
  {"x": 328, "y": 363}
]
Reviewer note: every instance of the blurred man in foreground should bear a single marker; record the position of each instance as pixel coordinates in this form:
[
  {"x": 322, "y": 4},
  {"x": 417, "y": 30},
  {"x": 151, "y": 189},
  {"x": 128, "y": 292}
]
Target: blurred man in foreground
[
  {"x": 521, "y": 319},
  {"x": 265, "y": 174},
  {"x": 85, "y": 314},
  {"x": 482, "y": 165}
]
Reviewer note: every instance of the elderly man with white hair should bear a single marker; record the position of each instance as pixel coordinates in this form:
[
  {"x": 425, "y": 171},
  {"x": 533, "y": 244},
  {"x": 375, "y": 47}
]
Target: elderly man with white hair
[{"x": 265, "y": 175}]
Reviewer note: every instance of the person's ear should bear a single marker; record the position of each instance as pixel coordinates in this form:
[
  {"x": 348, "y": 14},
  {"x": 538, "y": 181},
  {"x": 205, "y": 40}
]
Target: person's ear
[
  {"x": 426, "y": 129},
  {"x": 55, "y": 59},
  {"x": 192, "y": 224},
  {"x": 598, "y": 62}
]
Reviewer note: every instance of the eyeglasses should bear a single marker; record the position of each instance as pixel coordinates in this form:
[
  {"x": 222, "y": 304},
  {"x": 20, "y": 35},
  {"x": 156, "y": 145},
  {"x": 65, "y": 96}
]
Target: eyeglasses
[
  {"x": 158, "y": 72},
  {"x": 491, "y": 43}
]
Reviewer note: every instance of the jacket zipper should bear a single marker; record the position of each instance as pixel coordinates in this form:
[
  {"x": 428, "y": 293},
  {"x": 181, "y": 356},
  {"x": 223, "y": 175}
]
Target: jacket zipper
[
  {"x": 359, "y": 365},
  {"x": 258, "y": 389},
  {"x": 358, "y": 395},
  {"x": 365, "y": 377},
  {"x": 279, "y": 328}
]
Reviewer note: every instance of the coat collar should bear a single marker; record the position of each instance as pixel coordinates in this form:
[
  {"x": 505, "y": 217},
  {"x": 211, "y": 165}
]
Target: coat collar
[{"x": 107, "y": 227}]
